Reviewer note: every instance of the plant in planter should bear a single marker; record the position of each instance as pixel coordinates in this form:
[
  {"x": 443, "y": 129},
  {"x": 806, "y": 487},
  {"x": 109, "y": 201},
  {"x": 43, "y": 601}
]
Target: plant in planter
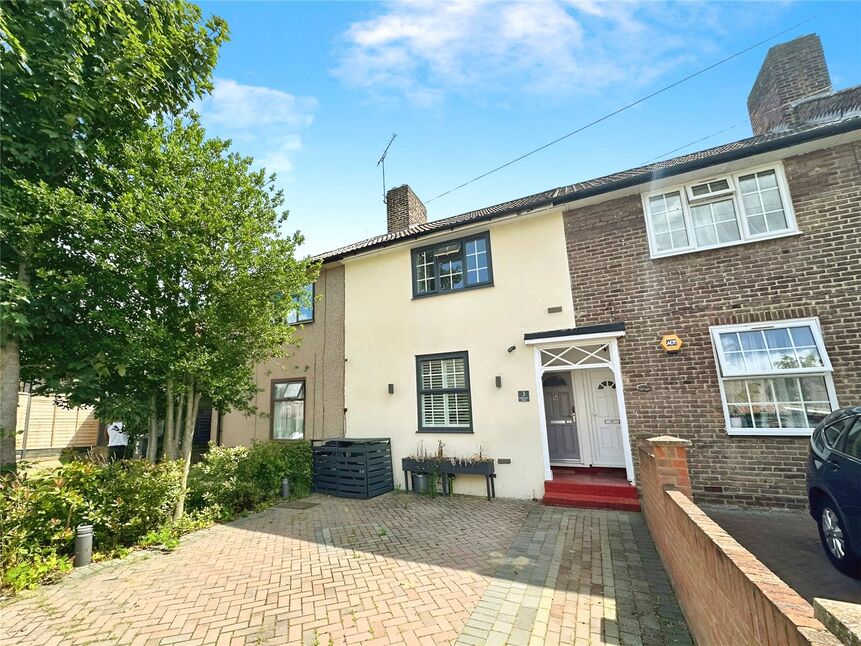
[
  {"x": 477, "y": 463},
  {"x": 445, "y": 468},
  {"x": 419, "y": 462}
]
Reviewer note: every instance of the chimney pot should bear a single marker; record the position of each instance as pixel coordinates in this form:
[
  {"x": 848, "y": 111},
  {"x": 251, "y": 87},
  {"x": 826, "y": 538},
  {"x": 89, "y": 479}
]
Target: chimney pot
[
  {"x": 404, "y": 209},
  {"x": 790, "y": 72}
]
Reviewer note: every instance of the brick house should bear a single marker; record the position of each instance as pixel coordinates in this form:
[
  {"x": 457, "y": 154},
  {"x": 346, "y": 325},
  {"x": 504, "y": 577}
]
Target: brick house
[{"x": 750, "y": 254}]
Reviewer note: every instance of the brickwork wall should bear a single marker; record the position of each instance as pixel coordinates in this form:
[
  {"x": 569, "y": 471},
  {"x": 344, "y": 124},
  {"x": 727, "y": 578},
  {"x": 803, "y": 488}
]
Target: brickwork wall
[
  {"x": 726, "y": 594},
  {"x": 317, "y": 357},
  {"x": 791, "y": 71},
  {"x": 815, "y": 273},
  {"x": 404, "y": 209}
]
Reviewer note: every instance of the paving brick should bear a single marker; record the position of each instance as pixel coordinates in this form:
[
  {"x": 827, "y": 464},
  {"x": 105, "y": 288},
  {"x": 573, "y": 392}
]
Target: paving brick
[{"x": 327, "y": 574}]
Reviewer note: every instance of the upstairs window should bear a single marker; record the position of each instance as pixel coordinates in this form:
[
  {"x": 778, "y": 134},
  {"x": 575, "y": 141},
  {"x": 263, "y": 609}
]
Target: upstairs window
[
  {"x": 452, "y": 266},
  {"x": 304, "y": 313},
  {"x": 775, "y": 378},
  {"x": 719, "y": 212},
  {"x": 443, "y": 393}
]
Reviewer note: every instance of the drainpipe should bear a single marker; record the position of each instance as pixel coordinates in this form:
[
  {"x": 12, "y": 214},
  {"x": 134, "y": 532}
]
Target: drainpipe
[{"x": 28, "y": 390}]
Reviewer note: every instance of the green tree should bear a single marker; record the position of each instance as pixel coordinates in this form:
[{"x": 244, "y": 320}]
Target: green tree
[
  {"x": 78, "y": 78},
  {"x": 197, "y": 287}
]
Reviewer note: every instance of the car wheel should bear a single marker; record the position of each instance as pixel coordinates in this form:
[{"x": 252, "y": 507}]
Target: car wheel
[{"x": 835, "y": 540}]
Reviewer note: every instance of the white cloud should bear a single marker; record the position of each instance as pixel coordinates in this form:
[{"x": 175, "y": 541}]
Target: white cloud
[
  {"x": 262, "y": 122},
  {"x": 426, "y": 50}
]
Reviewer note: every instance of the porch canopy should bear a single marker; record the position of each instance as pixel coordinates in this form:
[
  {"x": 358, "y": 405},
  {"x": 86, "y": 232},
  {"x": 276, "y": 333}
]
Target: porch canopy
[
  {"x": 578, "y": 347},
  {"x": 595, "y": 331},
  {"x": 591, "y": 346}
]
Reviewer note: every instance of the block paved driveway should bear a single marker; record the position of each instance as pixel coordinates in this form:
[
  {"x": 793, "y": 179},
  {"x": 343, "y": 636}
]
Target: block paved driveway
[
  {"x": 787, "y": 543},
  {"x": 399, "y": 569}
]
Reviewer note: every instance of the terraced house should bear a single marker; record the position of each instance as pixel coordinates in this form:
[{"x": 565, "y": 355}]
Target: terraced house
[
  {"x": 301, "y": 396},
  {"x": 714, "y": 296}
]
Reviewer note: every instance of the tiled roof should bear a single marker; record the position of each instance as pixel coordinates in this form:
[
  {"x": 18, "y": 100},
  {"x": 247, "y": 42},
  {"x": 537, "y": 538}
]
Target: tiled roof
[
  {"x": 836, "y": 105},
  {"x": 845, "y": 107}
]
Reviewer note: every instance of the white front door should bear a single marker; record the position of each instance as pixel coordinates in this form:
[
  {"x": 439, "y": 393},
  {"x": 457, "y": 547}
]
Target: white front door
[{"x": 607, "y": 444}]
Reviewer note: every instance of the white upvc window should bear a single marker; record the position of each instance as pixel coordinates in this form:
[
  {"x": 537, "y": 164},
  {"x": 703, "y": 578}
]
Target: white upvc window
[
  {"x": 775, "y": 378},
  {"x": 719, "y": 212}
]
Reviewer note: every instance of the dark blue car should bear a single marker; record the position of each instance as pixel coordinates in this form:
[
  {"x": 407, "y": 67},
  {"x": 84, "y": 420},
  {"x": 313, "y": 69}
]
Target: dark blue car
[{"x": 834, "y": 487}]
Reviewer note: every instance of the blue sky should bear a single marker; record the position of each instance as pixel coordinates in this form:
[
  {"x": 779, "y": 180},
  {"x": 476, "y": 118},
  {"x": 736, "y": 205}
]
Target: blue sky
[{"x": 314, "y": 91}]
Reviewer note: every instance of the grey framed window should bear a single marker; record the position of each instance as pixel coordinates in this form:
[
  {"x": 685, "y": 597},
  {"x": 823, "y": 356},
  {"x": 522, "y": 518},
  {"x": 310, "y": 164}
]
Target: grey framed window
[
  {"x": 452, "y": 266},
  {"x": 288, "y": 409},
  {"x": 444, "y": 402},
  {"x": 305, "y": 312}
]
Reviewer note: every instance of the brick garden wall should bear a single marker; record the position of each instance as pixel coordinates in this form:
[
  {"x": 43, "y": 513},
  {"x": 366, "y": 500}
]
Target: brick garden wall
[
  {"x": 726, "y": 594},
  {"x": 815, "y": 273}
]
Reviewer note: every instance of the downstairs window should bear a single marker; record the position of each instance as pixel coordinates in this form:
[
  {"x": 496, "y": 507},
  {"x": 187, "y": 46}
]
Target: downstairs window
[
  {"x": 288, "y": 409},
  {"x": 775, "y": 377},
  {"x": 444, "y": 403}
]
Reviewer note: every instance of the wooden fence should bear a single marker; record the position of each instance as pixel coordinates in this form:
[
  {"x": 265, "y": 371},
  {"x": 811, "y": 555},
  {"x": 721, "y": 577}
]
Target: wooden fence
[{"x": 44, "y": 426}]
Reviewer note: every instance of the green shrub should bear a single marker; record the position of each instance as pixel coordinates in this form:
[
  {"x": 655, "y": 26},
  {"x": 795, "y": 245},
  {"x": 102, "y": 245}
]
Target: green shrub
[
  {"x": 123, "y": 501},
  {"x": 232, "y": 480},
  {"x": 42, "y": 568},
  {"x": 130, "y": 503}
]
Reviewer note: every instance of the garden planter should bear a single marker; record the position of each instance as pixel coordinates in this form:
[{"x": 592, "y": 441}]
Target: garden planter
[
  {"x": 446, "y": 469},
  {"x": 483, "y": 468},
  {"x": 420, "y": 466}
]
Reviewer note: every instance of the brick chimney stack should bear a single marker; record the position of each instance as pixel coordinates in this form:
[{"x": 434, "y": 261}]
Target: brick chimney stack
[
  {"x": 404, "y": 209},
  {"x": 791, "y": 71}
]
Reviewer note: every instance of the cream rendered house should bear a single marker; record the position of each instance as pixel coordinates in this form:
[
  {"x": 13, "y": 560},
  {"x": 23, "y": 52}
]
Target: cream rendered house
[{"x": 461, "y": 331}]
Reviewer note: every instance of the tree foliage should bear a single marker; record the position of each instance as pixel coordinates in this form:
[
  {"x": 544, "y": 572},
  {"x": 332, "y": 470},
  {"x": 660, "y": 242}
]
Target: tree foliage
[
  {"x": 195, "y": 283},
  {"x": 78, "y": 79}
]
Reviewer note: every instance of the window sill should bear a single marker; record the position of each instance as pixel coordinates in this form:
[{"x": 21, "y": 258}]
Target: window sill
[
  {"x": 466, "y": 431},
  {"x": 736, "y": 243},
  {"x": 469, "y": 288},
  {"x": 770, "y": 432}
]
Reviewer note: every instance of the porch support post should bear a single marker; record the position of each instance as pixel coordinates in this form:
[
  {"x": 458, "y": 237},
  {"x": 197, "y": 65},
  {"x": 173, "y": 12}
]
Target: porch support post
[
  {"x": 542, "y": 422},
  {"x": 616, "y": 367}
]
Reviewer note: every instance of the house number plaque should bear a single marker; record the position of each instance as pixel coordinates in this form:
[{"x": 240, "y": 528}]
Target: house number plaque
[{"x": 523, "y": 395}]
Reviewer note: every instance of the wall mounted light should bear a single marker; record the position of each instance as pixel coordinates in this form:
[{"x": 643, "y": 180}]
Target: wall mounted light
[
  {"x": 391, "y": 389},
  {"x": 498, "y": 381},
  {"x": 512, "y": 348}
]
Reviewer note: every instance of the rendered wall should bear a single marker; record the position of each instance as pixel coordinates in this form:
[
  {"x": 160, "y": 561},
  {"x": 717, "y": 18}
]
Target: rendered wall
[
  {"x": 386, "y": 328},
  {"x": 319, "y": 359}
]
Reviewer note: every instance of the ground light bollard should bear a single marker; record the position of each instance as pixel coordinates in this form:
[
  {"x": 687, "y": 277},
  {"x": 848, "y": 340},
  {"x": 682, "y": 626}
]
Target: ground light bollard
[
  {"x": 285, "y": 488},
  {"x": 83, "y": 545}
]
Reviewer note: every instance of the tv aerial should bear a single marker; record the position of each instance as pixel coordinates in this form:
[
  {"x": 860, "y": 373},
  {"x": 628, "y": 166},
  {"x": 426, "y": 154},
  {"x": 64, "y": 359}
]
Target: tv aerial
[{"x": 382, "y": 163}]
